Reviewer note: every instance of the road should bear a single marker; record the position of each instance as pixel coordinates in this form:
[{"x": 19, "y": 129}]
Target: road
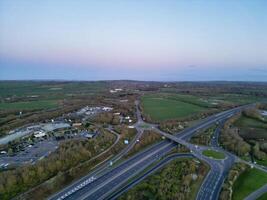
[
  {"x": 212, "y": 183},
  {"x": 215, "y": 139},
  {"x": 257, "y": 193},
  {"x": 158, "y": 166},
  {"x": 105, "y": 166},
  {"x": 114, "y": 178},
  {"x": 100, "y": 187}
]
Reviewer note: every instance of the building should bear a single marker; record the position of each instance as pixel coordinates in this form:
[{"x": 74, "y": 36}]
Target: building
[
  {"x": 76, "y": 124},
  {"x": 39, "y": 134},
  {"x": 106, "y": 109},
  {"x": 88, "y": 134}
]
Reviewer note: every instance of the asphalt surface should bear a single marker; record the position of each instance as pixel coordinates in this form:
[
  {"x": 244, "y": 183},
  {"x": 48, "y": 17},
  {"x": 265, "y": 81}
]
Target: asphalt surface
[
  {"x": 111, "y": 180},
  {"x": 158, "y": 166},
  {"x": 212, "y": 183},
  {"x": 99, "y": 187},
  {"x": 31, "y": 154},
  {"x": 105, "y": 167},
  {"x": 257, "y": 193}
]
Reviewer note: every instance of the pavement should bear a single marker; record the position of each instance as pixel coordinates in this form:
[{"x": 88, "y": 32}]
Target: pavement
[
  {"x": 256, "y": 194},
  {"x": 105, "y": 167},
  {"x": 212, "y": 183},
  {"x": 112, "y": 179},
  {"x": 102, "y": 185},
  {"x": 153, "y": 169},
  {"x": 31, "y": 154}
]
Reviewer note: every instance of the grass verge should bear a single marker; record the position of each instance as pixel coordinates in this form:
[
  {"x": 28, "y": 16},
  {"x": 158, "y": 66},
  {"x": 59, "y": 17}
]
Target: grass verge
[
  {"x": 213, "y": 154},
  {"x": 249, "y": 181}
]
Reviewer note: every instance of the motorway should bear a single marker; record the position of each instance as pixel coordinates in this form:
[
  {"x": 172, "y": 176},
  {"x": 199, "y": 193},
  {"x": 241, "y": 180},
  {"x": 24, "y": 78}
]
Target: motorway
[
  {"x": 211, "y": 185},
  {"x": 158, "y": 166},
  {"x": 102, "y": 185}
]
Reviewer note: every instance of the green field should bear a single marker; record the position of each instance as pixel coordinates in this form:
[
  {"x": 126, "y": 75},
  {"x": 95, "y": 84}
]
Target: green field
[
  {"x": 263, "y": 197},
  {"x": 248, "y": 182},
  {"x": 49, "y": 89},
  {"x": 162, "y": 108},
  {"x": 236, "y": 98},
  {"x": 251, "y": 128},
  {"x": 261, "y": 162},
  {"x": 213, "y": 154},
  {"x": 29, "y": 105},
  {"x": 190, "y": 99},
  {"x": 250, "y": 122}
]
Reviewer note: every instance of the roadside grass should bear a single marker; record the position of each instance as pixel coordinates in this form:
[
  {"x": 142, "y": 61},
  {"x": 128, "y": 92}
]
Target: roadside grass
[
  {"x": 160, "y": 108},
  {"x": 144, "y": 126},
  {"x": 248, "y": 182},
  {"x": 263, "y": 197},
  {"x": 194, "y": 187},
  {"x": 204, "y": 136},
  {"x": 248, "y": 133},
  {"x": 64, "y": 178},
  {"x": 249, "y": 122},
  {"x": 169, "y": 181},
  {"x": 29, "y": 105},
  {"x": 251, "y": 128},
  {"x": 213, "y": 154},
  {"x": 261, "y": 162},
  {"x": 147, "y": 139}
]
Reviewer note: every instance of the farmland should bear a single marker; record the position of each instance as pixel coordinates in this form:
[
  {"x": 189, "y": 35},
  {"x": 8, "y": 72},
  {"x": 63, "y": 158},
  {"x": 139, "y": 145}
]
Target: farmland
[
  {"x": 160, "y": 107},
  {"x": 49, "y": 89},
  {"x": 29, "y": 105},
  {"x": 250, "y": 122}
]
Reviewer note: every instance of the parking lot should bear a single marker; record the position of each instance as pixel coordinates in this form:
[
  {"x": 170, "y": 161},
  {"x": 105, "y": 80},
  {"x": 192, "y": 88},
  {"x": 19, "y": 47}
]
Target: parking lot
[{"x": 30, "y": 154}]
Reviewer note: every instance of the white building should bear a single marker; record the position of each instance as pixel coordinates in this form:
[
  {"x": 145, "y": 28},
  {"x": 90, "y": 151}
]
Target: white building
[
  {"x": 39, "y": 134},
  {"x": 107, "y": 109}
]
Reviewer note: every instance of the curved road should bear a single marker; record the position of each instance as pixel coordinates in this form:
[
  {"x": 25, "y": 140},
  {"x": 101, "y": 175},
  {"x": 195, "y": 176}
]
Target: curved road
[
  {"x": 101, "y": 186},
  {"x": 257, "y": 193},
  {"x": 158, "y": 166}
]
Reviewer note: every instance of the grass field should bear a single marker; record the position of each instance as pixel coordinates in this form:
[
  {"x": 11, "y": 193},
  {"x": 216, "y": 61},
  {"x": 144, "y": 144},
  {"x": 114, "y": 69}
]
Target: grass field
[
  {"x": 249, "y": 122},
  {"x": 213, "y": 154},
  {"x": 261, "y": 162},
  {"x": 29, "y": 105},
  {"x": 49, "y": 88},
  {"x": 236, "y": 98},
  {"x": 190, "y": 99},
  {"x": 161, "y": 108},
  {"x": 248, "y": 182},
  {"x": 263, "y": 197},
  {"x": 251, "y": 128}
]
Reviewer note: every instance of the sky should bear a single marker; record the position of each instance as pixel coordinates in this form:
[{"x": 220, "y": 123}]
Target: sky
[{"x": 161, "y": 40}]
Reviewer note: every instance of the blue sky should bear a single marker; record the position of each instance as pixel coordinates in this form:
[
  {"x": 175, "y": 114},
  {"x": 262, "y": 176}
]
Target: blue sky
[{"x": 145, "y": 40}]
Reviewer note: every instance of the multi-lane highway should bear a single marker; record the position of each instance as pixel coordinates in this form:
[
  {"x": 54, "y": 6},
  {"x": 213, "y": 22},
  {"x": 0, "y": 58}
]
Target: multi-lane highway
[
  {"x": 112, "y": 179},
  {"x": 218, "y": 168},
  {"x": 151, "y": 170},
  {"x": 100, "y": 186}
]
